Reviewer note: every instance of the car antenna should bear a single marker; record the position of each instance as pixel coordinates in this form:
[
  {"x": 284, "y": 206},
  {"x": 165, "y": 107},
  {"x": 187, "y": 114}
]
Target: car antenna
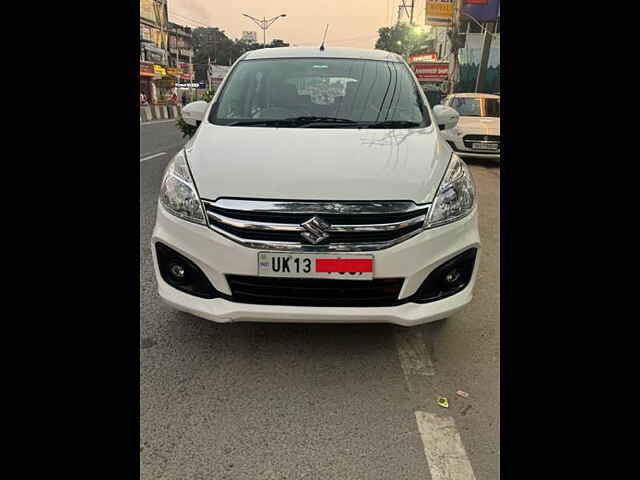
[{"x": 323, "y": 38}]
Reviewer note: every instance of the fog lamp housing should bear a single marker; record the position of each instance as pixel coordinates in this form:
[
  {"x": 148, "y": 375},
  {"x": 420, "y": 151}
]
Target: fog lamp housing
[
  {"x": 448, "y": 279},
  {"x": 182, "y": 274}
]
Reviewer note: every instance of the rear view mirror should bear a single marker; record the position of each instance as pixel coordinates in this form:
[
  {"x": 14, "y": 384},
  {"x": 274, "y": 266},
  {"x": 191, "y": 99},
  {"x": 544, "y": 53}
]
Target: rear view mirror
[
  {"x": 446, "y": 117},
  {"x": 193, "y": 113}
]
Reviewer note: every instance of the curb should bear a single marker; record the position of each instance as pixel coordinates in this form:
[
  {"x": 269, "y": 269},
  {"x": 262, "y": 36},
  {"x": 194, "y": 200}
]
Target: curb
[
  {"x": 152, "y": 122},
  {"x": 156, "y": 113}
]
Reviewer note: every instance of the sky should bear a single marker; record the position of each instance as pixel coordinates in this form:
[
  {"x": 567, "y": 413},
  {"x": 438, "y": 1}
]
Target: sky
[{"x": 352, "y": 23}]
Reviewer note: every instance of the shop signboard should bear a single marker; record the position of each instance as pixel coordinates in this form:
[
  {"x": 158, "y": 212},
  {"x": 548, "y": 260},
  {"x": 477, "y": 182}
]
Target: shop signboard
[
  {"x": 217, "y": 74},
  {"x": 146, "y": 70},
  {"x": 423, "y": 57},
  {"x": 486, "y": 11},
  {"x": 439, "y": 13},
  {"x": 160, "y": 69},
  {"x": 146, "y": 10},
  {"x": 166, "y": 82},
  {"x": 431, "y": 72},
  {"x": 187, "y": 70}
]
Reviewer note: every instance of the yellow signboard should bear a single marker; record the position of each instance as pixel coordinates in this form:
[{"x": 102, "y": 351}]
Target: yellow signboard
[
  {"x": 159, "y": 69},
  {"x": 439, "y": 12},
  {"x": 146, "y": 10}
]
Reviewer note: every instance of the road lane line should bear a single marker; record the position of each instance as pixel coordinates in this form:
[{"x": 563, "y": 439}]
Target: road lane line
[
  {"x": 443, "y": 448},
  {"x": 152, "y": 156},
  {"x": 414, "y": 357}
]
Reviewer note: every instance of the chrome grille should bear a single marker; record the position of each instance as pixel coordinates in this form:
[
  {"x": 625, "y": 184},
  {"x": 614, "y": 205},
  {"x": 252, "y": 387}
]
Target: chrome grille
[
  {"x": 315, "y": 226},
  {"x": 469, "y": 140}
]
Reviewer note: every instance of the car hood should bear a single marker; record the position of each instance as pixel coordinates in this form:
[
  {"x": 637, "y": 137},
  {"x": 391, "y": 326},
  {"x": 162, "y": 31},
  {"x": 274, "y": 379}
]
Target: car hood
[
  {"x": 317, "y": 163},
  {"x": 479, "y": 125}
]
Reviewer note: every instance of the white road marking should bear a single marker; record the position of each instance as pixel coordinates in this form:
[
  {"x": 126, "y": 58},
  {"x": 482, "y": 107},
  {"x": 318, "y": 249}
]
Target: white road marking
[
  {"x": 443, "y": 448},
  {"x": 414, "y": 357},
  {"x": 153, "y": 156}
]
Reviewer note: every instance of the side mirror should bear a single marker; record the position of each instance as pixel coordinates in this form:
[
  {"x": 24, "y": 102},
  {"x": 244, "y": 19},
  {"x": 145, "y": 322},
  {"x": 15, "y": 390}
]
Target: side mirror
[
  {"x": 193, "y": 113},
  {"x": 446, "y": 117}
]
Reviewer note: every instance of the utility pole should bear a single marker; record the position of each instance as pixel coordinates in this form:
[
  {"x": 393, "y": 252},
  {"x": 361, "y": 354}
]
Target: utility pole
[
  {"x": 484, "y": 56},
  {"x": 404, "y": 7},
  {"x": 264, "y": 24},
  {"x": 164, "y": 28},
  {"x": 454, "y": 67}
]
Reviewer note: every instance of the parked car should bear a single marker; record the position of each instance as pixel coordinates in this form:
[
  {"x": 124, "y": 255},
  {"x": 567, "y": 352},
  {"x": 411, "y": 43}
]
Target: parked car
[
  {"x": 477, "y": 133},
  {"x": 317, "y": 188}
]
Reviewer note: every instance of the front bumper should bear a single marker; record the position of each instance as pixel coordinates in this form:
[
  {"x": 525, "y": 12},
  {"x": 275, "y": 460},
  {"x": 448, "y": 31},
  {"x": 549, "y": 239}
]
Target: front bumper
[
  {"x": 412, "y": 260},
  {"x": 458, "y": 146},
  {"x": 474, "y": 154}
]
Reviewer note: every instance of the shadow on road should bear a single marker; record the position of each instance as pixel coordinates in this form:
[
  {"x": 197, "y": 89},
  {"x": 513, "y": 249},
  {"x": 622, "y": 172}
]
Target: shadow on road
[
  {"x": 482, "y": 162},
  {"x": 335, "y": 337}
]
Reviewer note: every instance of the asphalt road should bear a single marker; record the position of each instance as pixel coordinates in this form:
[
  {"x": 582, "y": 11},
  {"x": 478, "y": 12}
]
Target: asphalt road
[{"x": 278, "y": 401}]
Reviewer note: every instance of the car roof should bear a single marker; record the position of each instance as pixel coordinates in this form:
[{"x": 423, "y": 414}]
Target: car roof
[
  {"x": 474, "y": 95},
  {"x": 328, "y": 52}
]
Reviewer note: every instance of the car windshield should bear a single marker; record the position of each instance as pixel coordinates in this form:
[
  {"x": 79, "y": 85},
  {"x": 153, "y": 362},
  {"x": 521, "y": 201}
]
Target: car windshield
[
  {"x": 320, "y": 92},
  {"x": 476, "y": 107}
]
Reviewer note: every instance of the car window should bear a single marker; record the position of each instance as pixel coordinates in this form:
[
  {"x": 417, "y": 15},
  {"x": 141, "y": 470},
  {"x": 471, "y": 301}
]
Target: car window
[
  {"x": 492, "y": 107},
  {"x": 476, "y": 107},
  {"x": 354, "y": 90},
  {"x": 468, "y": 107}
]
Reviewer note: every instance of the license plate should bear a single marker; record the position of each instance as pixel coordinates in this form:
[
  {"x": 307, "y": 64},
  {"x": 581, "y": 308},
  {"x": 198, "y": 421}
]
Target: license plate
[
  {"x": 485, "y": 146},
  {"x": 311, "y": 265}
]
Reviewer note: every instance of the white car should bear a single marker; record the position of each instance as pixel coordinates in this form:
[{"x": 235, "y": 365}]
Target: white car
[
  {"x": 317, "y": 188},
  {"x": 477, "y": 133}
]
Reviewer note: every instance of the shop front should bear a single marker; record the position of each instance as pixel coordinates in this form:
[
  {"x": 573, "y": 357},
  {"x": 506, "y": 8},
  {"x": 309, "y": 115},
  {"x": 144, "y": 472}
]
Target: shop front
[
  {"x": 164, "y": 89},
  {"x": 147, "y": 74}
]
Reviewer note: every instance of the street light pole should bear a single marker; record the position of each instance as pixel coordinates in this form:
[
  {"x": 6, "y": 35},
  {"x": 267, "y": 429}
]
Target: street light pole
[{"x": 264, "y": 24}]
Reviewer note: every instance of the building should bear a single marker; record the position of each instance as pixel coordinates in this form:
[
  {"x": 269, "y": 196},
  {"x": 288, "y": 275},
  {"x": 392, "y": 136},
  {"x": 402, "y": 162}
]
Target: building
[
  {"x": 166, "y": 52},
  {"x": 181, "y": 53},
  {"x": 153, "y": 49},
  {"x": 469, "y": 56}
]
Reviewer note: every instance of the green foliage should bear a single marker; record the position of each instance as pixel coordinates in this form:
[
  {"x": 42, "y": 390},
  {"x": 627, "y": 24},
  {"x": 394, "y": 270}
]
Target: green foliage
[
  {"x": 208, "y": 95},
  {"x": 405, "y": 39},
  {"x": 213, "y": 43},
  {"x": 186, "y": 129}
]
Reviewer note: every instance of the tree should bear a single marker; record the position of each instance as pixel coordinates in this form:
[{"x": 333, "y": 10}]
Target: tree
[
  {"x": 405, "y": 39},
  {"x": 213, "y": 43}
]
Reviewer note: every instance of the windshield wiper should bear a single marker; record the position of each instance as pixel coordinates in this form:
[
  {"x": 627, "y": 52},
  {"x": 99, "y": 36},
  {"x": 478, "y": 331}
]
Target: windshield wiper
[
  {"x": 266, "y": 123},
  {"x": 311, "y": 119},
  {"x": 393, "y": 124},
  {"x": 293, "y": 122}
]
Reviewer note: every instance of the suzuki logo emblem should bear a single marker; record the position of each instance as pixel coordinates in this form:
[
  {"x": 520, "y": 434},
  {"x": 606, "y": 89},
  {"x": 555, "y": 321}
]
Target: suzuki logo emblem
[{"x": 315, "y": 230}]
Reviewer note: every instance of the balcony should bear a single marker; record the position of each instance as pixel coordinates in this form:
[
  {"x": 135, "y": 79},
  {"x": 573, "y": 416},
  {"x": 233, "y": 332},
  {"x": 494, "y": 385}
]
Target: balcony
[{"x": 183, "y": 52}]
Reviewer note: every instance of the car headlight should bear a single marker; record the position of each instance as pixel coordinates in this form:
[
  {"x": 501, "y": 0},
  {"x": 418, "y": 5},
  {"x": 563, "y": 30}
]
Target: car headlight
[
  {"x": 178, "y": 192},
  {"x": 455, "y": 197}
]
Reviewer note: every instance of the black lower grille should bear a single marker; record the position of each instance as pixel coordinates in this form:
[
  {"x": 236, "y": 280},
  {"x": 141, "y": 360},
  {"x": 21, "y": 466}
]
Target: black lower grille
[
  {"x": 313, "y": 292},
  {"x": 482, "y": 138}
]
